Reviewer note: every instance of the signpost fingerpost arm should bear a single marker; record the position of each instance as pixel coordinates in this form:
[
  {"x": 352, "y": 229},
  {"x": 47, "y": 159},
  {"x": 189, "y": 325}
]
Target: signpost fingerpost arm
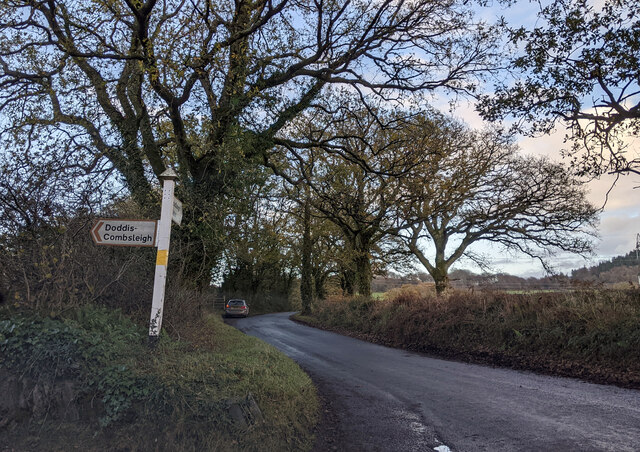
[{"x": 168, "y": 179}]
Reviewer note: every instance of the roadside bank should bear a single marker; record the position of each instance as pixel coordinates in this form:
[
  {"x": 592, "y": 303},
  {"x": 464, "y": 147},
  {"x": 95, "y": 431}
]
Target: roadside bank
[
  {"x": 592, "y": 335},
  {"x": 88, "y": 380}
]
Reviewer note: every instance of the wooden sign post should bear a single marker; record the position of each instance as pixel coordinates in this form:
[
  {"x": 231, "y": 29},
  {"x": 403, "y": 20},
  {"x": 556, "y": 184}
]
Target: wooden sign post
[
  {"x": 168, "y": 179},
  {"x": 118, "y": 232}
]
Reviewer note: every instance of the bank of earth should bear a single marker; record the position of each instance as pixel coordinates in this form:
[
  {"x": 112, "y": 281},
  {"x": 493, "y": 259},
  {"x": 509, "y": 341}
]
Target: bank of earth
[{"x": 87, "y": 380}]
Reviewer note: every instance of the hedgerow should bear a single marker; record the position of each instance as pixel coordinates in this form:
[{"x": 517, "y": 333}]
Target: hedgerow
[{"x": 592, "y": 334}]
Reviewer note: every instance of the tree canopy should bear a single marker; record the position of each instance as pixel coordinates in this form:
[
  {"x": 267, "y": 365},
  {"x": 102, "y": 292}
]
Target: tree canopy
[
  {"x": 352, "y": 159},
  {"x": 475, "y": 187},
  {"x": 159, "y": 82},
  {"x": 580, "y": 65},
  {"x": 208, "y": 87},
  {"x": 99, "y": 97}
]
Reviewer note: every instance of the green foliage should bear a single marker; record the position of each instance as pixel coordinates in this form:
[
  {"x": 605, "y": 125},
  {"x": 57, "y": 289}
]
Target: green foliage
[
  {"x": 177, "y": 393},
  {"x": 43, "y": 346},
  {"x": 260, "y": 256},
  {"x": 94, "y": 345}
]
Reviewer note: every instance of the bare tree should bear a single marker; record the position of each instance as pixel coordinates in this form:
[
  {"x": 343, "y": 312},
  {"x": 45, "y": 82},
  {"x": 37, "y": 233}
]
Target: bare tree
[
  {"x": 351, "y": 160},
  {"x": 475, "y": 187}
]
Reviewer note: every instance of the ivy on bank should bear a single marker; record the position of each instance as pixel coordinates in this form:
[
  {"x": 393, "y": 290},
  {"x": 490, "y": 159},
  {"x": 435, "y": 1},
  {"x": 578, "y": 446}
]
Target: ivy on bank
[{"x": 93, "y": 346}]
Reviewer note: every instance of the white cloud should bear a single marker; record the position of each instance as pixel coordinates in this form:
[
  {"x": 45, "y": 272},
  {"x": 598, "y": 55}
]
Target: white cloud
[{"x": 618, "y": 234}]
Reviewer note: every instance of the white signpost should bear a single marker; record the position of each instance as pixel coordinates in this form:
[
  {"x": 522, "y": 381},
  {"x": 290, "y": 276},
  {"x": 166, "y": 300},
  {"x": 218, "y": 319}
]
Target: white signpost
[
  {"x": 117, "y": 232},
  {"x": 168, "y": 179},
  {"x": 124, "y": 232}
]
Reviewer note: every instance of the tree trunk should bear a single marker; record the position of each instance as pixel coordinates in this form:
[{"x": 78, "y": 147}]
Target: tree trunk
[
  {"x": 362, "y": 265},
  {"x": 363, "y": 274},
  {"x": 347, "y": 281},
  {"x": 319, "y": 282},
  {"x": 441, "y": 277},
  {"x": 306, "y": 282}
]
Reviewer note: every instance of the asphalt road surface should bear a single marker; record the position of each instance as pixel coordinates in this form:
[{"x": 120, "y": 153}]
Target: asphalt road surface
[{"x": 384, "y": 399}]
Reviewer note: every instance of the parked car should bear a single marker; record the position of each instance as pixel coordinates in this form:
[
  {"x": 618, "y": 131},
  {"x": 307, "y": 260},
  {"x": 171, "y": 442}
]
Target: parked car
[{"x": 236, "y": 307}]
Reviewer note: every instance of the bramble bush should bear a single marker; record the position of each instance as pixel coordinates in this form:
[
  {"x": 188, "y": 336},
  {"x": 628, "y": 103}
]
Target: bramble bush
[{"x": 56, "y": 267}]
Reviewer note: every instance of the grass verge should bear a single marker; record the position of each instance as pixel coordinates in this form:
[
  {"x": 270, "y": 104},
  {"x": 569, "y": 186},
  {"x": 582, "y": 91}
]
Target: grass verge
[
  {"x": 593, "y": 335},
  {"x": 125, "y": 396}
]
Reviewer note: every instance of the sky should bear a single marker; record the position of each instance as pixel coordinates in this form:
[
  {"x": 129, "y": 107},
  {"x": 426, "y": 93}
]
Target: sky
[{"x": 620, "y": 217}]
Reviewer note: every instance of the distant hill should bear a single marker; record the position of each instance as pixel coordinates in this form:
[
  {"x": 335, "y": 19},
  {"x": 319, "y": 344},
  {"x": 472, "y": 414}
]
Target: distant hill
[
  {"x": 621, "y": 270},
  {"x": 467, "y": 279},
  {"x": 617, "y": 270},
  {"x": 394, "y": 280}
]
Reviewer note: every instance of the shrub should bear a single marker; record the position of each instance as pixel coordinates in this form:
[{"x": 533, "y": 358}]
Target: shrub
[
  {"x": 57, "y": 266},
  {"x": 93, "y": 346}
]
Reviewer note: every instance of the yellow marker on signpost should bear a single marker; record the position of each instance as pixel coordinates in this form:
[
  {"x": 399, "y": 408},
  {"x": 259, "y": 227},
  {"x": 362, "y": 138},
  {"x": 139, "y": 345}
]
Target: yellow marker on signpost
[{"x": 162, "y": 257}]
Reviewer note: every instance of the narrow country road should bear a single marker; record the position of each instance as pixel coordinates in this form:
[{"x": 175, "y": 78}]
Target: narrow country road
[{"x": 384, "y": 399}]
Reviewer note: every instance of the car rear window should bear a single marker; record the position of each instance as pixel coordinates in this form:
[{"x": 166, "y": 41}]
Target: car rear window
[{"x": 236, "y": 302}]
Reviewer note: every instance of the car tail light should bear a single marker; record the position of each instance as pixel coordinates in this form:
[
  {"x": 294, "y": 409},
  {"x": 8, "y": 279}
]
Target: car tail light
[
  {"x": 244, "y": 307},
  {"x": 227, "y": 306}
]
